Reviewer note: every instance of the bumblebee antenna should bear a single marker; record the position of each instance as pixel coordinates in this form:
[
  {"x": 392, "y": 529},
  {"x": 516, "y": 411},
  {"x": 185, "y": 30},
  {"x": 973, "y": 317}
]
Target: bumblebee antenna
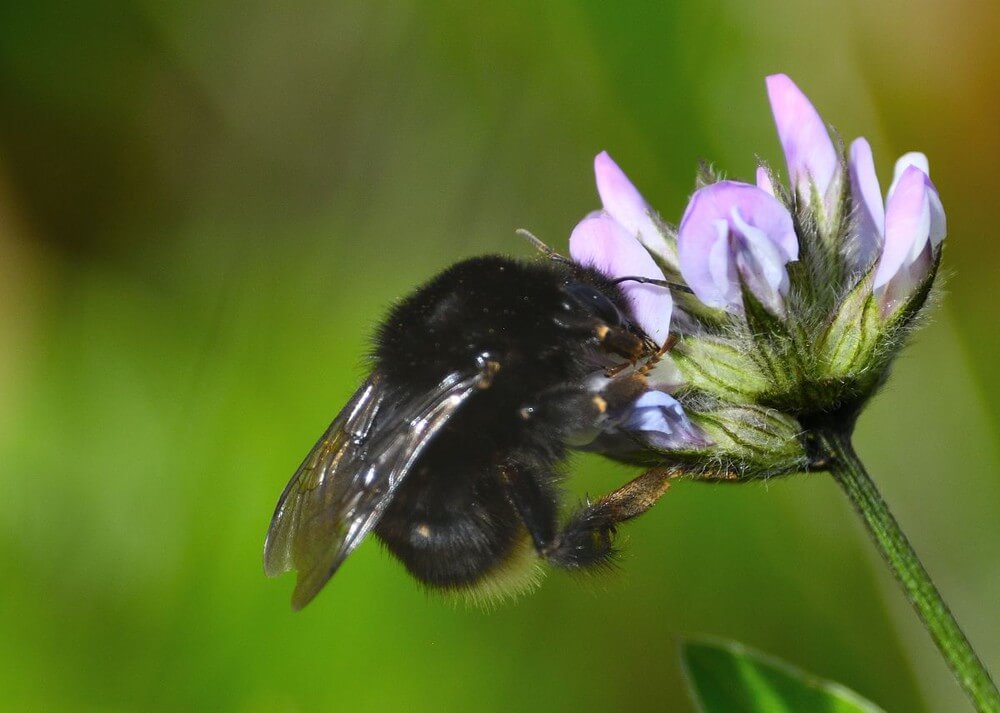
[
  {"x": 540, "y": 246},
  {"x": 658, "y": 283}
]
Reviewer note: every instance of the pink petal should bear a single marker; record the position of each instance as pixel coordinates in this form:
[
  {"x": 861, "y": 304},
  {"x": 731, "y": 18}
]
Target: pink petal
[
  {"x": 907, "y": 225},
  {"x": 706, "y": 258},
  {"x": 912, "y": 158},
  {"x": 809, "y": 152},
  {"x": 602, "y": 243},
  {"x": 623, "y": 202},
  {"x": 869, "y": 210},
  {"x": 939, "y": 225}
]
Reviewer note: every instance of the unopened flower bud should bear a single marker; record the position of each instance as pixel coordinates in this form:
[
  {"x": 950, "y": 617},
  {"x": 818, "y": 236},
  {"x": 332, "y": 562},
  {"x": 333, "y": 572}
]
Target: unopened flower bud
[
  {"x": 914, "y": 227},
  {"x": 720, "y": 367},
  {"x": 904, "y": 233},
  {"x": 755, "y": 441}
]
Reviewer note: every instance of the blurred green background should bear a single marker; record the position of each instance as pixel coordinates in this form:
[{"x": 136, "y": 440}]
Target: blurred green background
[{"x": 204, "y": 206}]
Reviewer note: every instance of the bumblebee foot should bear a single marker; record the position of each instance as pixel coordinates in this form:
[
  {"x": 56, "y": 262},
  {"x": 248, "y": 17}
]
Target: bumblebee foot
[{"x": 587, "y": 539}]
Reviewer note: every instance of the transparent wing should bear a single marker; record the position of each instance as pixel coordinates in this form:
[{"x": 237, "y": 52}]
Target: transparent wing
[{"x": 345, "y": 483}]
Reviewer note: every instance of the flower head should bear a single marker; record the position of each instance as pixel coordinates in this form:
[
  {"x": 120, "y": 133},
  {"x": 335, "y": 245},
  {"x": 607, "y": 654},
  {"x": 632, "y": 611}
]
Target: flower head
[{"x": 763, "y": 352}]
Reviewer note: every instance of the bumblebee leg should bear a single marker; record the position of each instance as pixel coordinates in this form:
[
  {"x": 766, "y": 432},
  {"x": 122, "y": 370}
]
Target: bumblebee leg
[
  {"x": 533, "y": 499},
  {"x": 611, "y": 339},
  {"x": 587, "y": 538},
  {"x": 619, "y": 341},
  {"x": 581, "y": 411}
]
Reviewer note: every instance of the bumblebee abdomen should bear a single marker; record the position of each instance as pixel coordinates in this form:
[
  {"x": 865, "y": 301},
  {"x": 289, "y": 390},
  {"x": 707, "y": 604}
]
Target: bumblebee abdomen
[{"x": 447, "y": 543}]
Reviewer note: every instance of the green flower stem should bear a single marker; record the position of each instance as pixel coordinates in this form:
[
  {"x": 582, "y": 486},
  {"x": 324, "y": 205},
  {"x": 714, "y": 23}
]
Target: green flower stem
[{"x": 850, "y": 473}]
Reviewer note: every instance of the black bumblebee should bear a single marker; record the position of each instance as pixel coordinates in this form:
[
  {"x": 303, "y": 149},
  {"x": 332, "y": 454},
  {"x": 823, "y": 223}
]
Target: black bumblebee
[{"x": 450, "y": 449}]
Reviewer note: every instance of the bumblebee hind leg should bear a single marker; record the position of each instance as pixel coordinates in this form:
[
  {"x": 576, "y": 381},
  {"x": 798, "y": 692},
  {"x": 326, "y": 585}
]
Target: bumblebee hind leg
[{"x": 586, "y": 539}]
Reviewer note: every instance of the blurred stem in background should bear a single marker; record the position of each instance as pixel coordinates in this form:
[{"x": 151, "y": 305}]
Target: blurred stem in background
[{"x": 850, "y": 473}]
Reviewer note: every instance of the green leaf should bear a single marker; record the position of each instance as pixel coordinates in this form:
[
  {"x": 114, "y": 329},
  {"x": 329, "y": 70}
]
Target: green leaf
[{"x": 727, "y": 677}]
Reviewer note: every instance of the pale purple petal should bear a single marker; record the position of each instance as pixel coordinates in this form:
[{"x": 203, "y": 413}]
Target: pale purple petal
[
  {"x": 760, "y": 262},
  {"x": 703, "y": 250},
  {"x": 907, "y": 225},
  {"x": 722, "y": 269},
  {"x": 764, "y": 181},
  {"x": 623, "y": 202},
  {"x": 809, "y": 152},
  {"x": 899, "y": 289},
  {"x": 913, "y": 158},
  {"x": 602, "y": 243},
  {"x": 715, "y": 215},
  {"x": 659, "y": 419},
  {"x": 868, "y": 207},
  {"x": 939, "y": 226}
]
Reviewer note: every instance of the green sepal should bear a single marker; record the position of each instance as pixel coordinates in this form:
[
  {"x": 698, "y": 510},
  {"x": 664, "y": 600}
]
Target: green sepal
[
  {"x": 716, "y": 366},
  {"x": 848, "y": 345},
  {"x": 774, "y": 345},
  {"x": 707, "y": 175},
  {"x": 760, "y": 319},
  {"x": 754, "y": 440}
]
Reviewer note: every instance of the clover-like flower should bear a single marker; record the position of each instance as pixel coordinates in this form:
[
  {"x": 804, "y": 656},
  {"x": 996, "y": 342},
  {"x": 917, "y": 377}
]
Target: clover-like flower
[
  {"x": 796, "y": 302},
  {"x": 799, "y": 296}
]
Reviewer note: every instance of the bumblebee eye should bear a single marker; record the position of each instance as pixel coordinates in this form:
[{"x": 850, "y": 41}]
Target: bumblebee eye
[{"x": 594, "y": 302}]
